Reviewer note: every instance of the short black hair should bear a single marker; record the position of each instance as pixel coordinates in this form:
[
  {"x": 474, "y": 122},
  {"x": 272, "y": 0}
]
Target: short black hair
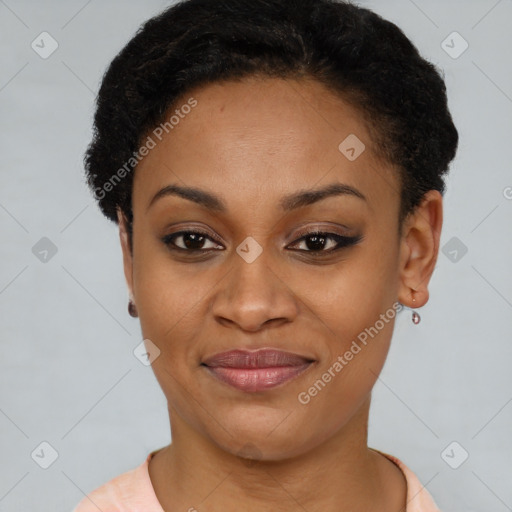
[{"x": 364, "y": 58}]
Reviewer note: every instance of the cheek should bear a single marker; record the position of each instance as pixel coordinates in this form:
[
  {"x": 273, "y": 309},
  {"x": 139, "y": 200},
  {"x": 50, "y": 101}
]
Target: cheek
[
  {"x": 337, "y": 390},
  {"x": 171, "y": 309},
  {"x": 173, "y": 301},
  {"x": 349, "y": 297},
  {"x": 167, "y": 291},
  {"x": 355, "y": 307}
]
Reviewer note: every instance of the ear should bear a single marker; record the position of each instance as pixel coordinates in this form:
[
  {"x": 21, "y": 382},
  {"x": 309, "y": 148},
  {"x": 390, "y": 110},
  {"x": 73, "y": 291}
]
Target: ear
[
  {"x": 127, "y": 254},
  {"x": 419, "y": 248}
]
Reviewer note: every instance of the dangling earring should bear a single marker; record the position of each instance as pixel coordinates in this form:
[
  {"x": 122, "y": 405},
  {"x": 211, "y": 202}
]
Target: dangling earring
[
  {"x": 415, "y": 316},
  {"x": 132, "y": 310}
]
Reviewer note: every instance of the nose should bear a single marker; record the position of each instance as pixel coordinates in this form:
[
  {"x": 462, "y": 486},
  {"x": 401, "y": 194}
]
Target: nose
[{"x": 254, "y": 295}]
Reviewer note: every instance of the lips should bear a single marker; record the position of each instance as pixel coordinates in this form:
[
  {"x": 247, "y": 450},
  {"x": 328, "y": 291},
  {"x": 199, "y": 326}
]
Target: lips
[
  {"x": 258, "y": 370},
  {"x": 263, "y": 358}
]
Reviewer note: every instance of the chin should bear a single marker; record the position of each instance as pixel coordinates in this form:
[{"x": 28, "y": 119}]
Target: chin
[{"x": 265, "y": 437}]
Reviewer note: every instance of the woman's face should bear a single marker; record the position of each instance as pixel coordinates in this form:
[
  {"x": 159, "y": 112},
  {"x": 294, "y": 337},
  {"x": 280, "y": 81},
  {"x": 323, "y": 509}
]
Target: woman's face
[{"x": 256, "y": 280}]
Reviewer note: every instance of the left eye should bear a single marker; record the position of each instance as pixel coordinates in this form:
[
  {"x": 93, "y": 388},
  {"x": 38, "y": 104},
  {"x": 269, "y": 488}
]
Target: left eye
[{"x": 317, "y": 241}]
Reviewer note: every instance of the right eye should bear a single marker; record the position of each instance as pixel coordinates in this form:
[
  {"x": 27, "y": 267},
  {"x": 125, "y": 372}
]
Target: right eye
[{"x": 191, "y": 241}]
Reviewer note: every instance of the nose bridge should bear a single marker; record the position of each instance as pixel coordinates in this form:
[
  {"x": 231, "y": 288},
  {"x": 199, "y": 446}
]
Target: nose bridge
[
  {"x": 253, "y": 293},
  {"x": 252, "y": 271}
]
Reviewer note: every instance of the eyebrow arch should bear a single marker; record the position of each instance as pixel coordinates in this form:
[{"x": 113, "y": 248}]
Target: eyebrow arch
[{"x": 287, "y": 203}]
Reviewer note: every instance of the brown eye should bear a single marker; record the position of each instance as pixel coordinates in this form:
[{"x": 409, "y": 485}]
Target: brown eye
[
  {"x": 317, "y": 241},
  {"x": 191, "y": 241}
]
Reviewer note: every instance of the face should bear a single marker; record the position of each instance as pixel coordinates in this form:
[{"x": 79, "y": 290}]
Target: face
[{"x": 241, "y": 268}]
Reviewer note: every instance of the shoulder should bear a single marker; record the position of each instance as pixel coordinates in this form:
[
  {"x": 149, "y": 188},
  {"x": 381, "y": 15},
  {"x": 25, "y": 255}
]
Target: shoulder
[
  {"x": 418, "y": 498},
  {"x": 124, "y": 493}
]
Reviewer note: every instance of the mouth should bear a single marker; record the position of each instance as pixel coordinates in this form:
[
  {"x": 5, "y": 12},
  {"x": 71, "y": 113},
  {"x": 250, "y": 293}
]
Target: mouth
[{"x": 259, "y": 370}]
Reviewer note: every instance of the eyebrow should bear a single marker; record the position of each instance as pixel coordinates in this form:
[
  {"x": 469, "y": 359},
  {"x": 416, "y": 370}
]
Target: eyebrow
[{"x": 287, "y": 203}]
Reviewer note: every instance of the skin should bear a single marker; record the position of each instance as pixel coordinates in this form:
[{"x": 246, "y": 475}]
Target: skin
[{"x": 252, "y": 142}]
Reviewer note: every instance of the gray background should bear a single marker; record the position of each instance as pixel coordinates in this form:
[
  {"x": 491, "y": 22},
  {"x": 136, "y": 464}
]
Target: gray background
[{"x": 68, "y": 375}]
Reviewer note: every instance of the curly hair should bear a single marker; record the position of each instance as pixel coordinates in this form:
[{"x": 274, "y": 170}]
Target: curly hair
[{"x": 365, "y": 59}]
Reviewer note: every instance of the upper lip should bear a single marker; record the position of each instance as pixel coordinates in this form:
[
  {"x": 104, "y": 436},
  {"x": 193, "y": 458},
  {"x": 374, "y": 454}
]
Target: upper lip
[{"x": 261, "y": 358}]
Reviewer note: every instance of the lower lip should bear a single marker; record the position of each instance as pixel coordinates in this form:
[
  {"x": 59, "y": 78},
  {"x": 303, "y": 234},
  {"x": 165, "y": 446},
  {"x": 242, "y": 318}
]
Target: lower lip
[{"x": 256, "y": 379}]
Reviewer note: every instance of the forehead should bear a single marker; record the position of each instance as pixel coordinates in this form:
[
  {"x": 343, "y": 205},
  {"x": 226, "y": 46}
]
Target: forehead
[{"x": 263, "y": 138}]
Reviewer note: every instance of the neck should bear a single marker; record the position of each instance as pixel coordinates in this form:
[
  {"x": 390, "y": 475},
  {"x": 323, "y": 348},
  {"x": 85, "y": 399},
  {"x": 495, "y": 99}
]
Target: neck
[{"x": 340, "y": 474}]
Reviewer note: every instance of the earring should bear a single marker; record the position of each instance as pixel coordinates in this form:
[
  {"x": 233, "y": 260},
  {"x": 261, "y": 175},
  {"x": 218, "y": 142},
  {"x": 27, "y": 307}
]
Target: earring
[
  {"x": 415, "y": 316},
  {"x": 132, "y": 310}
]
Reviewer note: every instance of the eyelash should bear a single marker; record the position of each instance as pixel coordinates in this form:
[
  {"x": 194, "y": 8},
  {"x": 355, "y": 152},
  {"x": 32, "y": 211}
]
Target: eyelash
[{"x": 342, "y": 242}]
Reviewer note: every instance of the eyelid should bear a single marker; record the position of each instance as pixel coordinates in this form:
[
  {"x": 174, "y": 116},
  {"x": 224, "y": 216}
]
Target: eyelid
[
  {"x": 195, "y": 228},
  {"x": 304, "y": 230},
  {"x": 342, "y": 241},
  {"x": 166, "y": 239},
  {"x": 310, "y": 230}
]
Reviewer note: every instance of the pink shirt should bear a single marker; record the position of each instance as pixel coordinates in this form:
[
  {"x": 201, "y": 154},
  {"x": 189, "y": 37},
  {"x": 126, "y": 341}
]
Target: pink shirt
[{"x": 133, "y": 492}]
